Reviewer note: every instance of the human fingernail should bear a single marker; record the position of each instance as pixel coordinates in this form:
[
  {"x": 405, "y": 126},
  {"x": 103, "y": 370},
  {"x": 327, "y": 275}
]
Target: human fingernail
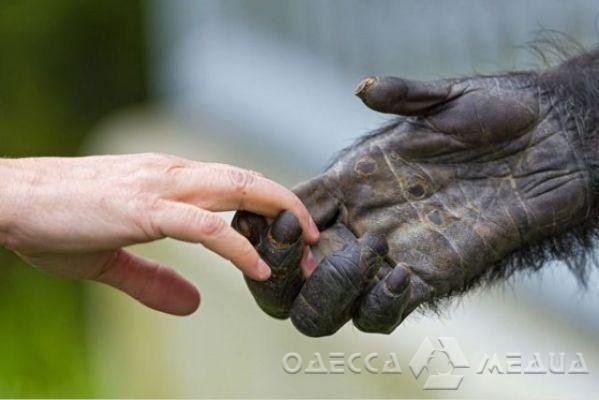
[
  {"x": 308, "y": 262},
  {"x": 262, "y": 270},
  {"x": 314, "y": 232}
]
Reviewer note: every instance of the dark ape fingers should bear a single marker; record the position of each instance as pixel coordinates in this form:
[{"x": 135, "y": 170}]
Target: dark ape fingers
[
  {"x": 419, "y": 292},
  {"x": 381, "y": 310},
  {"x": 317, "y": 199},
  {"x": 403, "y": 97},
  {"x": 281, "y": 247},
  {"x": 391, "y": 300},
  {"x": 326, "y": 301},
  {"x": 250, "y": 225}
]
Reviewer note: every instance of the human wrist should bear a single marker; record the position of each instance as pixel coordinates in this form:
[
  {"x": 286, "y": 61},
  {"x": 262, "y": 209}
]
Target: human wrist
[{"x": 12, "y": 185}]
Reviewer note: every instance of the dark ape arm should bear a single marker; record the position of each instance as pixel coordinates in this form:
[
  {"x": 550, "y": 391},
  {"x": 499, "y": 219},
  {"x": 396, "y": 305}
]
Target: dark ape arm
[
  {"x": 574, "y": 89},
  {"x": 476, "y": 178}
]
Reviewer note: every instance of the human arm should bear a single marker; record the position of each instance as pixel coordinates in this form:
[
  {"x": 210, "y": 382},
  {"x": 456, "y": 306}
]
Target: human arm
[{"x": 73, "y": 216}]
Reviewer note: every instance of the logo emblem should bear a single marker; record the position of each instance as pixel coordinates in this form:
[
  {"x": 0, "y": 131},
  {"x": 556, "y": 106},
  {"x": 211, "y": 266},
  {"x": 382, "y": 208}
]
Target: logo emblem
[{"x": 427, "y": 357}]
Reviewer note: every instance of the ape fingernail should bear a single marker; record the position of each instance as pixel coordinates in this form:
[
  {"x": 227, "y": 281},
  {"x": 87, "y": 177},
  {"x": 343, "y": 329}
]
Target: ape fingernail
[
  {"x": 397, "y": 281},
  {"x": 249, "y": 225},
  {"x": 286, "y": 228},
  {"x": 363, "y": 85}
]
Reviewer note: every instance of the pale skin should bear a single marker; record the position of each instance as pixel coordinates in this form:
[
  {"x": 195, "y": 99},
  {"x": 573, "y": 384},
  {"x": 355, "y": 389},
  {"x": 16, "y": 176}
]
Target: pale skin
[{"x": 72, "y": 217}]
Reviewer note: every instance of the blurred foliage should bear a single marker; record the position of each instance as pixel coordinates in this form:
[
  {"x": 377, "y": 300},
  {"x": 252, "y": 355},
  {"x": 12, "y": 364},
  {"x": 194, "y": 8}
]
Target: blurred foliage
[{"x": 63, "y": 66}]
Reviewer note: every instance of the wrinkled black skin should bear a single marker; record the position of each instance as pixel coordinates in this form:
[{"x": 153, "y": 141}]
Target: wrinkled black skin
[{"x": 477, "y": 178}]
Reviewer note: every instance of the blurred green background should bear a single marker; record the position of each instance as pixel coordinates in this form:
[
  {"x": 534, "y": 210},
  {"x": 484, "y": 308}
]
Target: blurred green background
[{"x": 64, "y": 64}]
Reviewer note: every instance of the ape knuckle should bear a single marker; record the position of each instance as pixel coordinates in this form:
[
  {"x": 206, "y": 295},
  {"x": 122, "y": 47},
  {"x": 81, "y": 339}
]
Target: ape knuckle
[
  {"x": 307, "y": 325},
  {"x": 386, "y": 330},
  {"x": 364, "y": 326},
  {"x": 242, "y": 224}
]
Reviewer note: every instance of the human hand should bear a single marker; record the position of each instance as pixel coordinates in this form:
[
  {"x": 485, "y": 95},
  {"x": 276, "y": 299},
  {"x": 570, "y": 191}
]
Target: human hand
[
  {"x": 475, "y": 172},
  {"x": 72, "y": 216}
]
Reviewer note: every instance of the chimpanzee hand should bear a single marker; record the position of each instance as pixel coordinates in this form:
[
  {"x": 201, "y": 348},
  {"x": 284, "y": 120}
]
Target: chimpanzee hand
[{"x": 473, "y": 170}]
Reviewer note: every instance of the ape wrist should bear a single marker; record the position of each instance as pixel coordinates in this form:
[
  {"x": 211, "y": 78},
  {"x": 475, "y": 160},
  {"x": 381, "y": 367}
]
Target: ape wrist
[{"x": 573, "y": 88}]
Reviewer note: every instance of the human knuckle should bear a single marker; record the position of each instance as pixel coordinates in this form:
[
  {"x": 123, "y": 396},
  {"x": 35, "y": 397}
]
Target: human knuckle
[
  {"x": 152, "y": 276},
  {"x": 156, "y": 171},
  {"x": 240, "y": 180},
  {"x": 156, "y": 158},
  {"x": 143, "y": 180},
  {"x": 256, "y": 173},
  {"x": 246, "y": 252},
  {"x": 146, "y": 211},
  {"x": 118, "y": 257},
  {"x": 144, "y": 202},
  {"x": 298, "y": 206},
  {"x": 159, "y": 163},
  {"x": 210, "y": 225}
]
